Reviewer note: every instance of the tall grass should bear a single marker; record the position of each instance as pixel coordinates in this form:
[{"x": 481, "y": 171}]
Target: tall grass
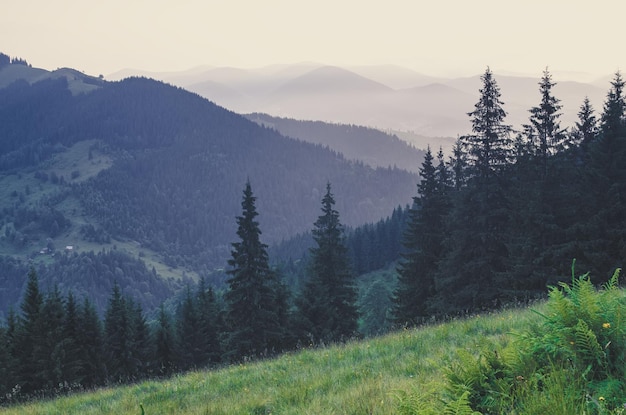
[{"x": 360, "y": 377}]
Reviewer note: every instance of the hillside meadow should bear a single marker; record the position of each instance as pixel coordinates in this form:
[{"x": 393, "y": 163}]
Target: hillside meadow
[{"x": 360, "y": 377}]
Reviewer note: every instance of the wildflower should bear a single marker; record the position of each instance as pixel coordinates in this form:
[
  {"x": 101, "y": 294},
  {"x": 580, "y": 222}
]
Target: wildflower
[
  {"x": 606, "y": 325},
  {"x": 601, "y": 398}
]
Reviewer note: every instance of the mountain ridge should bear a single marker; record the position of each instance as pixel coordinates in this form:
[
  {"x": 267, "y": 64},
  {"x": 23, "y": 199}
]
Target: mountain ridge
[{"x": 391, "y": 109}]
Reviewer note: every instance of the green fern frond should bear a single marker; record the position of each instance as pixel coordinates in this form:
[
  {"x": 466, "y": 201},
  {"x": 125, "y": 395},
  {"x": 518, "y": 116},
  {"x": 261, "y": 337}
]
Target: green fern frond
[
  {"x": 588, "y": 347},
  {"x": 413, "y": 404},
  {"x": 460, "y": 407},
  {"x": 613, "y": 283}
]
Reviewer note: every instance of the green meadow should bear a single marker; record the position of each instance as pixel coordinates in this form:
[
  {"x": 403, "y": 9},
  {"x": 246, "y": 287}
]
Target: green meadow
[{"x": 359, "y": 377}]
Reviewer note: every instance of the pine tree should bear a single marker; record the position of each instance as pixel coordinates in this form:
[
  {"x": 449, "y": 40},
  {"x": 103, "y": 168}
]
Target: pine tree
[
  {"x": 141, "y": 346},
  {"x": 118, "y": 338},
  {"x": 327, "y": 304},
  {"x": 165, "y": 345},
  {"x": 190, "y": 334},
  {"x": 489, "y": 148},
  {"x": 544, "y": 131},
  {"x": 6, "y": 364},
  {"x": 252, "y": 316},
  {"x": 91, "y": 342},
  {"x": 476, "y": 251},
  {"x": 28, "y": 335},
  {"x": 606, "y": 178},
  {"x": 209, "y": 313},
  {"x": 458, "y": 166},
  {"x": 586, "y": 126},
  {"x": 74, "y": 355},
  {"x": 49, "y": 353},
  {"x": 422, "y": 246}
]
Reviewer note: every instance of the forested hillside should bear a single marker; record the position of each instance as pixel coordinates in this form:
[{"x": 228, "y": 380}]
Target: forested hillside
[{"x": 158, "y": 170}]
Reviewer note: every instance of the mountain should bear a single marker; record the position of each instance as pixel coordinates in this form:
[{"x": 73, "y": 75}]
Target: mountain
[
  {"x": 367, "y": 145},
  {"x": 156, "y": 173},
  {"x": 386, "y": 97}
]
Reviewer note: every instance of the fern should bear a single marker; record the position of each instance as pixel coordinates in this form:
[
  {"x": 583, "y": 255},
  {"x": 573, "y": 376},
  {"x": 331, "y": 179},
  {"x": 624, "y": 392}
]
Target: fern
[
  {"x": 460, "y": 407},
  {"x": 412, "y": 404},
  {"x": 612, "y": 284},
  {"x": 589, "y": 349}
]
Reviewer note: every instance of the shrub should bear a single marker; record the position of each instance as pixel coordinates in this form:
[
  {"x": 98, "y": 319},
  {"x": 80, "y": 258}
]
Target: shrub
[{"x": 572, "y": 361}]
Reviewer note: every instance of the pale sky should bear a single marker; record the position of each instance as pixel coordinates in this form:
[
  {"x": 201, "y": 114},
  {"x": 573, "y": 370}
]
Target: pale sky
[{"x": 436, "y": 37}]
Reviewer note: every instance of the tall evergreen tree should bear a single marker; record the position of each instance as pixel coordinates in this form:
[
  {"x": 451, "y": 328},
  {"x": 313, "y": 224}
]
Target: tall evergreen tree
[
  {"x": 118, "y": 338},
  {"x": 586, "y": 126},
  {"x": 210, "y": 316},
  {"x": 422, "y": 246},
  {"x": 476, "y": 251},
  {"x": 49, "y": 353},
  {"x": 28, "y": 335},
  {"x": 489, "y": 147},
  {"x": 91, "y": 341},
  {"x": 252, "y": 316},
  {"x": 606, "y": 176},
  {"x": 74, "y": 356},
  {"x": 544, "y": 131},
  {"x": 328, "y": 302},
  {"x": 165, "y": 345},
  {"x": 141, "y": 346},
  {"x": 7, "y": 380},
  {"x": 190, "y": 334}
]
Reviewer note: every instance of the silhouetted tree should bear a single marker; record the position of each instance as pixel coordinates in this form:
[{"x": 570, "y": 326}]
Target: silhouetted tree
[
  {"x": 476, "y": 250},
  {"x": 252, "y": 316},
  {"x": 165, "y": 344},
  {"x": 327, "y": 304}
]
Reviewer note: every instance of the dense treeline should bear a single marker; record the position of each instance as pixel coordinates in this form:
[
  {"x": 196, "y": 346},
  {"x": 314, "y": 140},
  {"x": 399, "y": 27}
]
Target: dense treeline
[
  {"x": 510, "y": 210},
  {"x": 87, "y": 274},
  {"x": 58, "y": 343}
]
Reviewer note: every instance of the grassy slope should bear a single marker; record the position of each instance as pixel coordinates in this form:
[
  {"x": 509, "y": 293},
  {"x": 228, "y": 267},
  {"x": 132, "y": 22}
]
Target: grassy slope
[{"x": 360, "y": 377}]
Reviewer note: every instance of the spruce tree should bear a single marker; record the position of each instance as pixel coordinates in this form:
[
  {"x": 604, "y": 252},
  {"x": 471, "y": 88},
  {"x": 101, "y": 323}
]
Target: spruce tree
[
  {"x": 49, "y": 353},
  {"x": 606, "y": 177},
  {"x": 28, "y": 335},
  {"x": 422, "y": 248},
  {"x": 118, "y": 338},
  {"x": 190, "y": 334},
  {"x": 252, "y": 316},
  {"x": 210, "y": 316},
  {"x": 6, "y": 364},
  {"x": 141, "y": 346},
  {"x": 544, "y": 131},
  {"x": 586, "y": 126},
  {"x": 489, "y": 147},
  {"x": 91, "y": 341},
  {"x": 476, "y": 251},
  {"x": 165, "y": 345},
  {"x": 75, "y": 356},
  {"x": 327, "y": 304}
]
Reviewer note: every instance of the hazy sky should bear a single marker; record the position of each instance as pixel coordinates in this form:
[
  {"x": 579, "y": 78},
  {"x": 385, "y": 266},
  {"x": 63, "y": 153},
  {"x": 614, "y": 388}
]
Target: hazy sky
[{"x": 436, "y": 37}]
